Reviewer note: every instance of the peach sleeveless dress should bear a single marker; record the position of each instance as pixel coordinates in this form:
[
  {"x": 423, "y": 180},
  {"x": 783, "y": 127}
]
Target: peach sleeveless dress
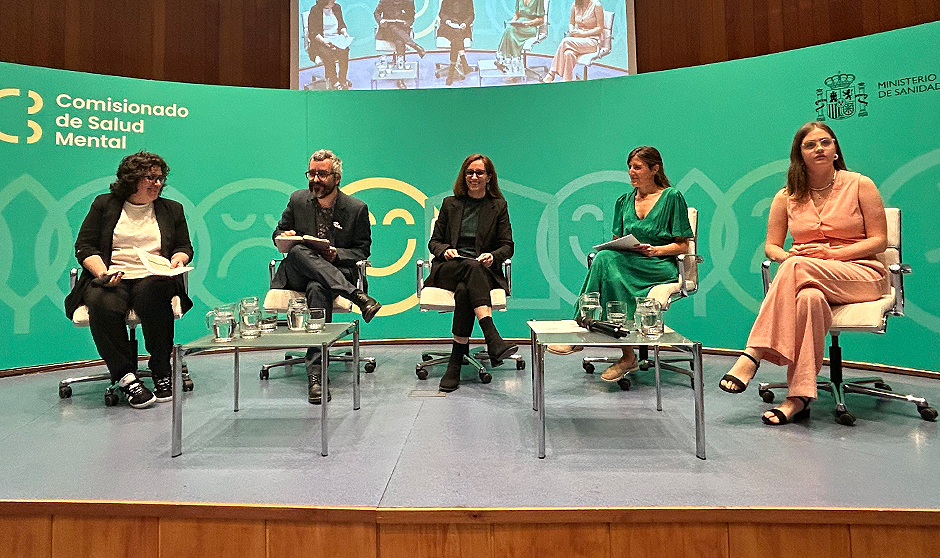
[{"x": 795, "y": 316}]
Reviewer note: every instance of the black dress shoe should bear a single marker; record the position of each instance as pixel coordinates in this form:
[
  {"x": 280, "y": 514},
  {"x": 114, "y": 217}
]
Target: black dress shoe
[
  {"x": 450, "y": 381},
  {"x": 367, "y": 305},
  {"x": 500, "y": 351},
  {"x": 315, "y": 390}
]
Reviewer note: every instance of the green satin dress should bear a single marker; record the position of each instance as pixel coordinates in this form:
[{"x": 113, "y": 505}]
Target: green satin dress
[{"x": 625, "y": 275}]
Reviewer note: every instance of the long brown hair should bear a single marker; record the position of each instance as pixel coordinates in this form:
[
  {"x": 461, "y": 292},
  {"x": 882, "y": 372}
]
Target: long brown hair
[
  {"x": 492, "y": 187},
  {"x": 651, "y": 156},
  {"x": 797, "y": 181}
]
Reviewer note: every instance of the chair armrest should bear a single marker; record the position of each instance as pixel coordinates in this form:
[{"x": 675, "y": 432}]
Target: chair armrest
[
  {"x": 361, "y": 266},
  {"x": 897, "y": 272},
  {"x": 765, "y": 275},
  {"x": 590, "y": 259},
  {"x": 680, "y": 259},
  {"x": 421, "y": 266},
  {"x": 272, "y": 269},
  {"x": 73, "y": 278},
  {"x": 507, "y": 271}
]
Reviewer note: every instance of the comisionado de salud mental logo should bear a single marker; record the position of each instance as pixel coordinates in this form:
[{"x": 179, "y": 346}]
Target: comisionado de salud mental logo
[
  {"x": 115, "y": 129},
  {"x": 36, "y": 106}
]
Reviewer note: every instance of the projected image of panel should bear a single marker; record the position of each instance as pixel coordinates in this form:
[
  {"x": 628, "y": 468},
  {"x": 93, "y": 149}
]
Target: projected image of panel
[{"x": 409, "y": 44}]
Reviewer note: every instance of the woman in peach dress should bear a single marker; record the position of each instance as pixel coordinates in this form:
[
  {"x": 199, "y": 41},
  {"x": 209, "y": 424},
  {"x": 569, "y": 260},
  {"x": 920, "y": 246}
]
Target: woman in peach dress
[
  {"x": 585, "y": 28},
  {"x": 837, "y": 221}
]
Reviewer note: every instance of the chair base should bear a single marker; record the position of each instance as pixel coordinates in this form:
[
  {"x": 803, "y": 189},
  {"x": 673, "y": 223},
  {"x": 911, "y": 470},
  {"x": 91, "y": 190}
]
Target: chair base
[
  {"x": 872, "y": 386},
  {"x": 293, "y": 358},
  {"x": 111, "y": 392},
  {"x": 433, "y": 358},
  {"x": 645, "y": 363},
  {"x": 441, "y": 69}
]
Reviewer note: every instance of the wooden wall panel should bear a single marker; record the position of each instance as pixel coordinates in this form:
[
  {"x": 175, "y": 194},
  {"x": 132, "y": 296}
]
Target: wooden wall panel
[
  {"x": 571, "y": 540},
  {"x": 211, "y": 538},
  {"x": 463, "y": 540},
  {"x": 749, "y": 540},
  {"x": 25, "y": 537},
  {"x": 880, "y": 541},
  {"x": 668, "y": 540},
  {"x": 290, "y": 539},
  {"x": 104, "y": 537}
]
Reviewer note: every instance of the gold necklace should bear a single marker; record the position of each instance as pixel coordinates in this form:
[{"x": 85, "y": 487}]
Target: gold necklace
[{"x": 827, "y": 186}]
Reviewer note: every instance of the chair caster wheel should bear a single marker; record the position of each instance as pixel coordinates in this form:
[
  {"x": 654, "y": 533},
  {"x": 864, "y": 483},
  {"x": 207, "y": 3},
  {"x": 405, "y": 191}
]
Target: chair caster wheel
[
  {"x": 928, "y": 413},
  {"x": 111, "y": 399},
  {"x": 520, "y": 364},
  {"x": 188, "y": 385},
  {"x": 421, "y": 373},
  {"x": 588, "y": 367},
  {"x": 882, "y": 385},
  {"x": 264, "y": 374},
  {"x": 767, "y": 396},
  {"x": 624, "y": 384},
  {"x": 65, "y": 392},
  {"x": 370, "y": 367},
  {"x": 846, "y": 418},
  {"x": 486, "y": 377},
  {"x": 426, "y": 357}
]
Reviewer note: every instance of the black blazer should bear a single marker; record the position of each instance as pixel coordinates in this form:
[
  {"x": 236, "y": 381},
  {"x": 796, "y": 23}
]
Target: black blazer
[
  {"x": 350, "y": 231},
  {"x": 315, "y": 21},
  {"x": 97, "y": 233},
  {"x": 494, "y": 234}
]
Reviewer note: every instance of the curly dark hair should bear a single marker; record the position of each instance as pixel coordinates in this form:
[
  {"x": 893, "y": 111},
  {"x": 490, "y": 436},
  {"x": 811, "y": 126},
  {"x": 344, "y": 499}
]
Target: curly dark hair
[{"x": 132, "y": 169}]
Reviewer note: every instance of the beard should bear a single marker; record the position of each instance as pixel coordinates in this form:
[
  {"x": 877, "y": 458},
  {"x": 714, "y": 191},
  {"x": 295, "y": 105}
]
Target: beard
[{"x": 321, "y": 190}]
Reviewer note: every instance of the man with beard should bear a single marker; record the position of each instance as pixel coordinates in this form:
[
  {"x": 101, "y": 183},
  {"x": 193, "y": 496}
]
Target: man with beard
[{"x": 323, "y": 272}]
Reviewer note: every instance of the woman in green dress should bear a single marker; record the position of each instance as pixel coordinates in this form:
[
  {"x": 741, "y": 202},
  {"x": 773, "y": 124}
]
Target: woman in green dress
[
  {"x": 657, "y": 215},
  {"x": 530, "y": 14}
]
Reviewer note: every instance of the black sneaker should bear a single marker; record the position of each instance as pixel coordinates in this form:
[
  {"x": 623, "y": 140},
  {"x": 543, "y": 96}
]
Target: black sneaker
[
  {"x": 138, "y": 396},
  {"x": 163, "y": 388},
  {"x": 315, "y": 390}
]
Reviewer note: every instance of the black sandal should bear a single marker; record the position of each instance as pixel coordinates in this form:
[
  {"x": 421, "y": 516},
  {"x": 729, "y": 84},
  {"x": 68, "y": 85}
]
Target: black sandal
[
  {"x": 802, "y": 414},
  {"x": 738, "y": 385}
]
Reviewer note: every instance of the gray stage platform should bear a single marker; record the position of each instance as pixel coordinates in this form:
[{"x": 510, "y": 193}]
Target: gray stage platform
[{"x": 475, "y": 447}]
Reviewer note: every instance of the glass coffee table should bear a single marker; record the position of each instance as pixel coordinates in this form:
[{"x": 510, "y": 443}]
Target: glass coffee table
[
  {"x": 489, "y": 71},
  {"x": 567, "y": 332},
  {"x": 281, "y": 338}
]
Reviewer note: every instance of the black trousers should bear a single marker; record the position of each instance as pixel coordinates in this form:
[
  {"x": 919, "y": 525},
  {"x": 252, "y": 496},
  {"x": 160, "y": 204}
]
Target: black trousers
[
  {"x": 320, "y": 281},
  {"x": 150, "y": 298},
  {"x": 331, "y": 59},
  {"x": 471, "y": 283}
]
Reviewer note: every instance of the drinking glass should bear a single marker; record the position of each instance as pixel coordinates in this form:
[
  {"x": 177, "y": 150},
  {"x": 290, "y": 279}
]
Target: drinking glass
[
  {"x": 616, "y": 312},
  {"x": 221, "y": 322},
  {"x": 316, "y": 320},
  {"x": 268, "y": 320},
  {"x": 249, "y": 317},
  {"x": 589, "y": 305},
  {"x": 297, "y": 314},
  {"x": 648, "y": 317}
]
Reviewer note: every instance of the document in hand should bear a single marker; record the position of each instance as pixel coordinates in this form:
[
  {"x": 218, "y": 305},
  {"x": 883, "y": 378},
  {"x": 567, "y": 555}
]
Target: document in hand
[
  {"x": 622, "y": 243},
  {"x": 284, "y": 243},
  {"x": 158, "y": 265},
  {"x": 340, "y": 41}
]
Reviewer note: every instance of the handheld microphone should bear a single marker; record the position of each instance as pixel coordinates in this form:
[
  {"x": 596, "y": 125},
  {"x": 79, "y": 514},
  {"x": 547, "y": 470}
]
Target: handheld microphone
[{"x": 607, "y": 328}]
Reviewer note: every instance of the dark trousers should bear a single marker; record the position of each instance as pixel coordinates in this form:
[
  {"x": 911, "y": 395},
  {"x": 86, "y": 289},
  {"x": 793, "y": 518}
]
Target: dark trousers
[
  {"x": 319, "y": 280},
  {"x": 471, "y": 284},
  {"x": 150, "y": 298},
  {"x": 331, "y": 57},
  {"x": 398, "y": 33}
]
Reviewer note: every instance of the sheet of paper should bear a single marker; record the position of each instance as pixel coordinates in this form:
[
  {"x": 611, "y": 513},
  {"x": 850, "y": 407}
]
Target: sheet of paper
[
  {"x": 556, "y": 326},
  {"x": 158, "y": 265},
  {"x": 340, "y": 41},
  {"x": 622, "y": 243}
]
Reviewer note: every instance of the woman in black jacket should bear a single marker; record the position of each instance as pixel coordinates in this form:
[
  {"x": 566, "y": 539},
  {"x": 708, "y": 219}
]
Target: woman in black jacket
[
  {"x": 471, "y": 239},
  {"x": 324, "y": 24},
  {"x": 114, "y": 280}
]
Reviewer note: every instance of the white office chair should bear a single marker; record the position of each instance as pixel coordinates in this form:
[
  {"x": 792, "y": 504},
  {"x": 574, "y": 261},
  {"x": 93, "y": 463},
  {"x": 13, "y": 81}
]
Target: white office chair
[
  {"x": 275, "y": 301},
  {"x": 603, "y": 46},
  {"x": 441, "y": 300},
  {"x": 871, "y": 317},
  {"x": 316, "y": 82},
  {"x": 665, "y": 294},
  {"x": 80, "y": 319}
]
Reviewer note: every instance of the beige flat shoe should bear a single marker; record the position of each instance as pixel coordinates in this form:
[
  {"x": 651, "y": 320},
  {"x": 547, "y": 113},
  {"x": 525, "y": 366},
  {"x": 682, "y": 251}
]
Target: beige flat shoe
[
  {"x": 564, "y": 349},
  {"x": 619, "y": 369}
]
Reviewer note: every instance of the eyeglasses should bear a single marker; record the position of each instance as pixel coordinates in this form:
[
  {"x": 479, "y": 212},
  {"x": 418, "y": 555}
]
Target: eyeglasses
[
  {"x": 824, "y": 142},
  {"x": 155, "y": 178},
  {"x": 474, "y": 172},
  {"x": 321, "y": 174}
]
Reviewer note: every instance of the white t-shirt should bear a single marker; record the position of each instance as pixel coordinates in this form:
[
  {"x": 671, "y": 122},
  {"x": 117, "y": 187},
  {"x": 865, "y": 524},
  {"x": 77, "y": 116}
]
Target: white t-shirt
[
  {"x": 137, "y": 227},
  {"x": 330, "y": 23}
]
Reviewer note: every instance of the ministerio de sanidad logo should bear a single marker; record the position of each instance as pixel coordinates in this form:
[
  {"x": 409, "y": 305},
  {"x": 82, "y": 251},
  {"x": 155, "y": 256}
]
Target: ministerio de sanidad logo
[
  {"x": 86, "y": 122},
  {"x": 35, "y": 106},
  {"x": 843, "y": 97}
]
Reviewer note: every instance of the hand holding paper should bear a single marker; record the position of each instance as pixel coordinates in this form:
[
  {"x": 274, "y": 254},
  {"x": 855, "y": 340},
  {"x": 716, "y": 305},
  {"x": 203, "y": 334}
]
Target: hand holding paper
[{"x": 158, "y": 265}]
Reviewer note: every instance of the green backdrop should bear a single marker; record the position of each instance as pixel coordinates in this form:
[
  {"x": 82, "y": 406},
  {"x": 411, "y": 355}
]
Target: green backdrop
[{"x": 559, "y": 150}]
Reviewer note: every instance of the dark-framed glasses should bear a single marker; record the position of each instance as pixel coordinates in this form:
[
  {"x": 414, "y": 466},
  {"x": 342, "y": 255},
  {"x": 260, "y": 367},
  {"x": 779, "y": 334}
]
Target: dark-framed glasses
[
  {"x": 321, "y": 174},
  {"x": 474, "y": 172},
  {"x": 824, "y": 142},
  {"x": 155, "y": 178}
]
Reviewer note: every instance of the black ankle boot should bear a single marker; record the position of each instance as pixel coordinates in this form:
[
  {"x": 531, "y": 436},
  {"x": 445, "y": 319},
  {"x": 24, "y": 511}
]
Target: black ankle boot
[
  {"x": 496, "y": 347},
  {"x": 367, "y": 305},
  {"x": 451, "y": 379}
]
